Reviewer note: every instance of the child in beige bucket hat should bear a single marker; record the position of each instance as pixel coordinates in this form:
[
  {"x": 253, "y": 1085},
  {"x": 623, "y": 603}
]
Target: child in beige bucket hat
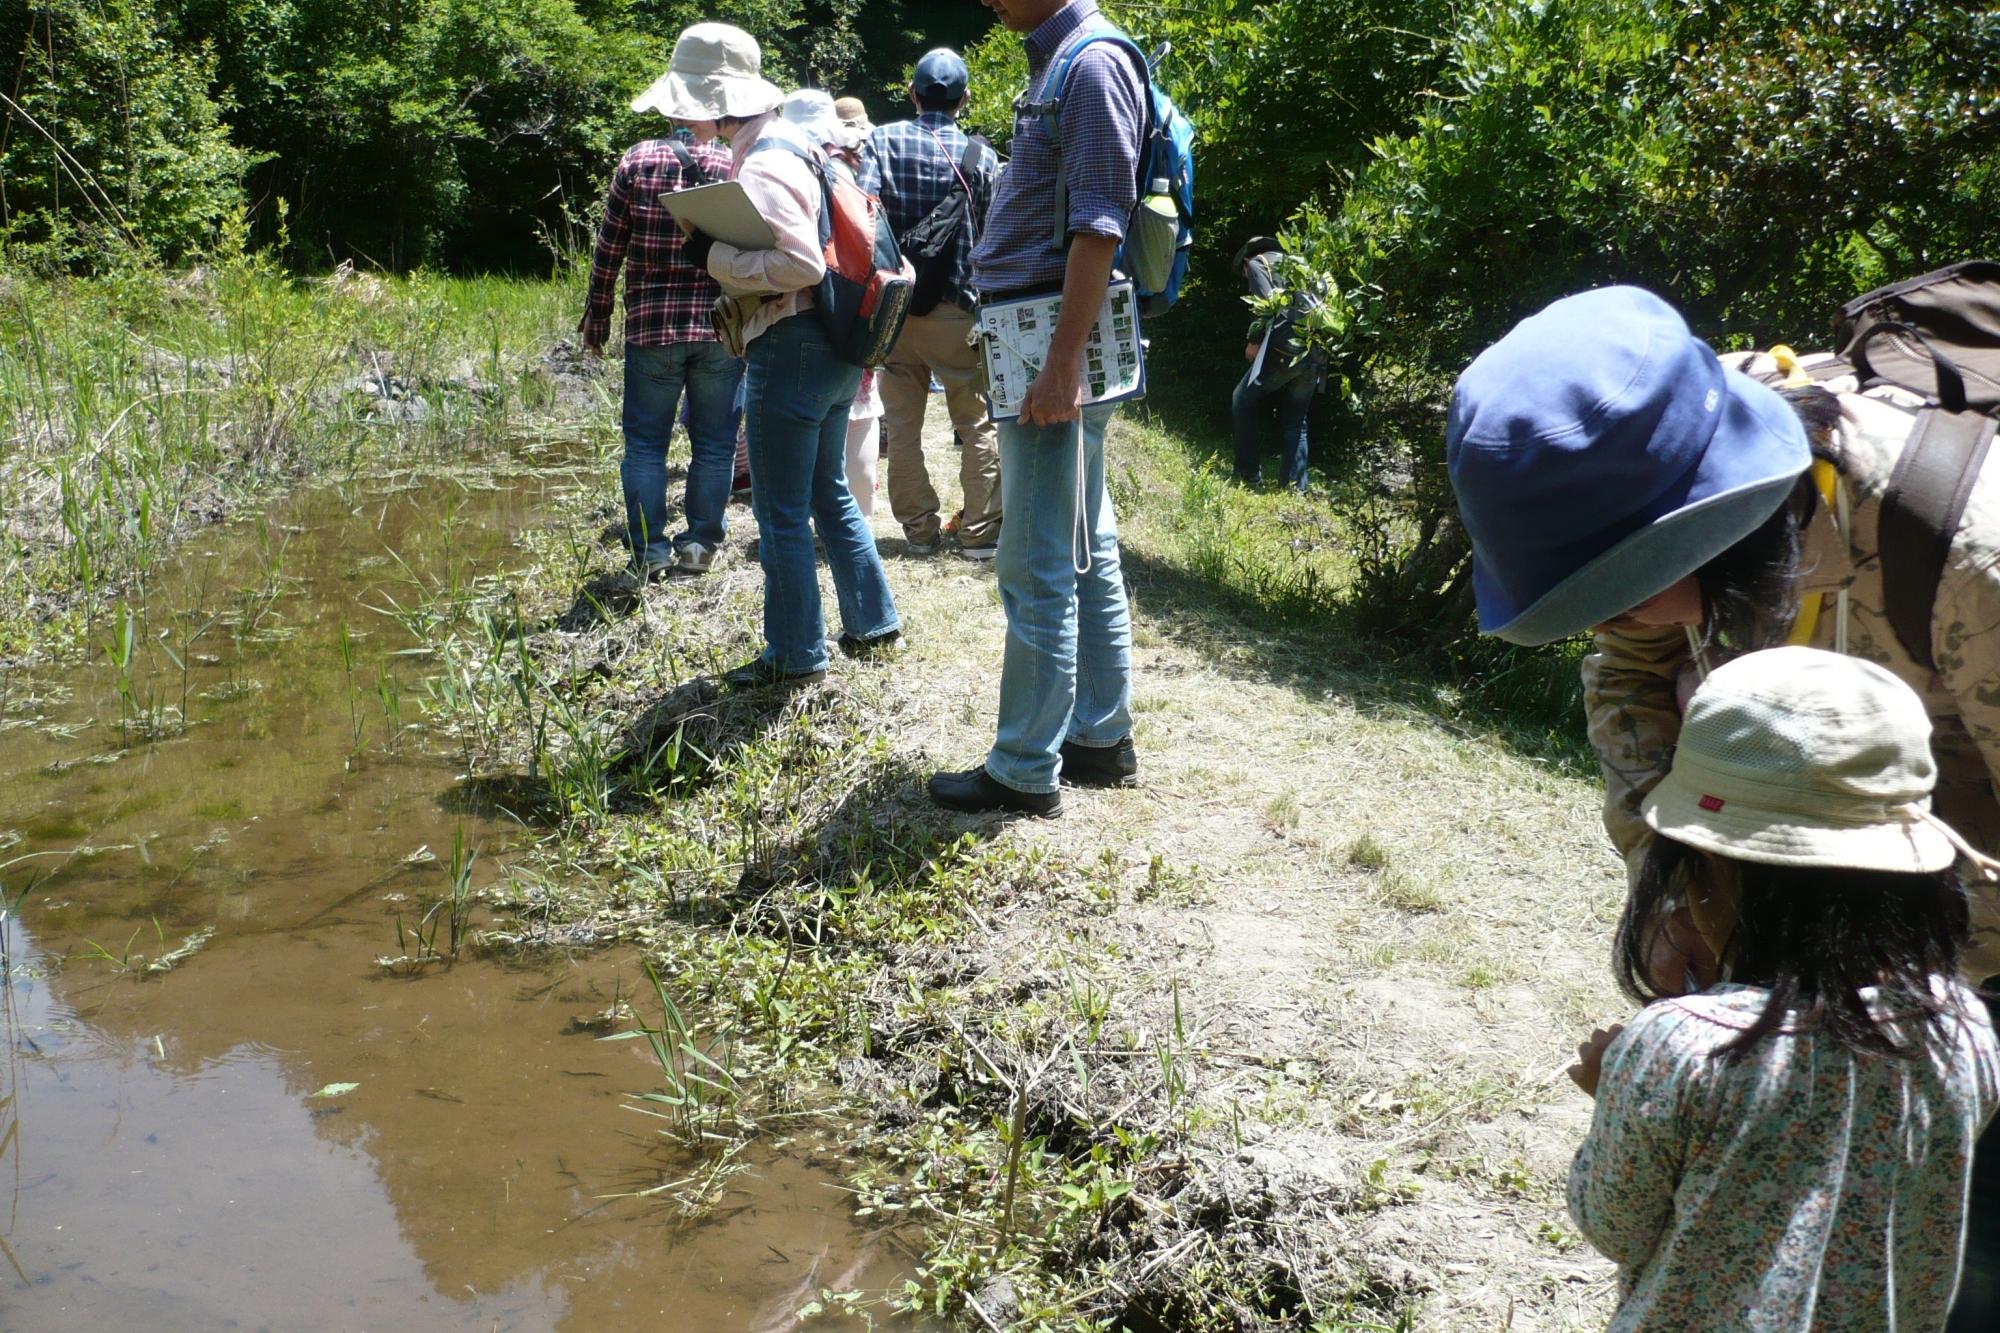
[{"x": 1787, "y": 1144}]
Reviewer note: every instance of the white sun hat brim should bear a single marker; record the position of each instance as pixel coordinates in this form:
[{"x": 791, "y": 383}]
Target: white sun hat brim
[
  {"x": 1800, "y": 757},
  {"x": 1901, "y": 840},
  {"x": 711, "y": 97}
]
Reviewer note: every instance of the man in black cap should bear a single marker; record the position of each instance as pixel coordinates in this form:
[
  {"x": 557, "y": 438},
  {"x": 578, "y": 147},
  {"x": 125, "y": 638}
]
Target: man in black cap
[
  {"x": 1279, "y": 372},
  {"x": 935, "y": 182}
]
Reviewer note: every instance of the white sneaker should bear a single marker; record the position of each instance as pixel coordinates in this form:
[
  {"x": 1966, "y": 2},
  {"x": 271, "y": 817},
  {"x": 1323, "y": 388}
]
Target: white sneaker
[
  {"x": 978, "y": 554},
  {"x": 695, "y": 559}
]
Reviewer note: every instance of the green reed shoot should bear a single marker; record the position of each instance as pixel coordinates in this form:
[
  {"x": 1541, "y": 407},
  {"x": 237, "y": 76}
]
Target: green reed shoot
[
  {"x": 345, "y": 645},
  {"x": 457, "y": 904},
  {"x": 449, "y": 916},
  {"x": 10, "y": 910},
  {"x": 118, "y": 650},
  {"x": 701, "y": 1091},
  {"x": 388, "y": 695}
]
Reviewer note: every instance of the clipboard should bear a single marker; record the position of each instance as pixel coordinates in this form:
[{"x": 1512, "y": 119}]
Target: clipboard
[
  {"x": 1014, "y": 340},
  {"x": 1263, "y": 350},
  {"x": 722, "y": 210}
]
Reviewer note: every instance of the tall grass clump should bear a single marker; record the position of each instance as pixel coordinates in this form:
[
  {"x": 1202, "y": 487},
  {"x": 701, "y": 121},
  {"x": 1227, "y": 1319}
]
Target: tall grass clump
[{"x": 136, "y": 406}]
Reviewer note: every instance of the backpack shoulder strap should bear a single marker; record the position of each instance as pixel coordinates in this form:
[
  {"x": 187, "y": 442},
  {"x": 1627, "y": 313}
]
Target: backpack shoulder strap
[
  {"x": 1050, "y": 108},
  {"x": 764, "y": 145},
  {"x": 975, "y": 147},
  {"x": 689, "y": 163},
  {"x": 817, "y": 164},
  {"x": 1927, "y": 495}
]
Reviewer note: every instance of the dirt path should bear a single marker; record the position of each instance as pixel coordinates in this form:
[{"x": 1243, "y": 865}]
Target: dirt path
[
  {"x": 1386, "y": 938},
  {"x": 1364, "y": 941}
]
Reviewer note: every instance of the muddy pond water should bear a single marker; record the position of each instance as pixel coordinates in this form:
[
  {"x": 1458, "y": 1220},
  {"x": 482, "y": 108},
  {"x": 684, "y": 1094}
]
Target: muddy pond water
[{"x": 178, "y": 1146}]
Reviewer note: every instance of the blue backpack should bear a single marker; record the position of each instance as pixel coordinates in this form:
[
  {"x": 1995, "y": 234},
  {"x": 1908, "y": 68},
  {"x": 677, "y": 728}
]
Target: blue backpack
[{"x": 1160, "y": 233}]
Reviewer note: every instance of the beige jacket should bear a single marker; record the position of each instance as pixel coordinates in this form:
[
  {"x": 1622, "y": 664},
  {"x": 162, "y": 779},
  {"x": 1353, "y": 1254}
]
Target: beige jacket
[
  {"x": 782, "y": 281},
  {"x": 1629, "y": 682}
]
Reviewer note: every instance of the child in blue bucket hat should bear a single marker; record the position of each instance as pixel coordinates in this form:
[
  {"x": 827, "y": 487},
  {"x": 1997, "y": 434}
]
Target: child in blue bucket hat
[
  {"x": 1616, "y": 477},
  {"x": 1601, "y": 453}
]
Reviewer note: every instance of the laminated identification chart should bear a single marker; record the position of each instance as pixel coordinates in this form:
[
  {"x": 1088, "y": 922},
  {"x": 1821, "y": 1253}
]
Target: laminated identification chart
[{"x": 1014, "y": 339}]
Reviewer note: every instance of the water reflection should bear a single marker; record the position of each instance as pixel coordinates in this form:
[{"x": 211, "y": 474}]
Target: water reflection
[{"x": 164, "y": 1160}]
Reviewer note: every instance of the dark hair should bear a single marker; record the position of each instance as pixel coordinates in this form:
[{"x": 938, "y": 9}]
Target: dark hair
[
  {"x": 1749, "y": 593},
  {"x": 1814, "y": 936},
  {"x": 937, "y": 98}
]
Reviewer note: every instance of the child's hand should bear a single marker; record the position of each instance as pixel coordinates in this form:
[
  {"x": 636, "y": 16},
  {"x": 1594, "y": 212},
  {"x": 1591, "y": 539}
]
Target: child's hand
[{"x": 1590, "y": 1058}]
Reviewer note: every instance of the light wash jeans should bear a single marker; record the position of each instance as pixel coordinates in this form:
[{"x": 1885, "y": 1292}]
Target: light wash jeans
[
  {"x": 797, "y": 393},
  {"x": 1067, "y": 671},
  {"x": 654, "y": 378}
]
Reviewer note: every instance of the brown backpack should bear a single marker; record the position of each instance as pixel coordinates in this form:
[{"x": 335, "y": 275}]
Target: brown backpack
[{"x": 1937, "y": 335}]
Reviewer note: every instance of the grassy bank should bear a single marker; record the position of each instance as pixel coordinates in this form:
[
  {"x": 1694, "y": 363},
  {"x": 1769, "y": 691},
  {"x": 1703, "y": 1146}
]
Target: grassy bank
[
  {"x": 135, "y": 408},
  {"x": 1272, "y": 1041}
]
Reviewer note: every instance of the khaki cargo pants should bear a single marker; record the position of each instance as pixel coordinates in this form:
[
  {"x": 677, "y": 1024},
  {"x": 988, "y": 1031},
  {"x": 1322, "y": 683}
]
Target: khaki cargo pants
[{"x": 935, "y": 344}]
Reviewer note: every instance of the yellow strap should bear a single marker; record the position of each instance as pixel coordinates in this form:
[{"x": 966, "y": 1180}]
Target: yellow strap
[
  {"x": 1788, "y": 362},
  {"x": 1824, "y": 480}
]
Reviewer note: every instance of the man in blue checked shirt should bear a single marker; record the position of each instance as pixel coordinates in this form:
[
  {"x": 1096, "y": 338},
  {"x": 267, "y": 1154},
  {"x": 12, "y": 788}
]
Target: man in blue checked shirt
[
  {"x": 913, "y": 166},
  {"x": 1066, "y": 677}
]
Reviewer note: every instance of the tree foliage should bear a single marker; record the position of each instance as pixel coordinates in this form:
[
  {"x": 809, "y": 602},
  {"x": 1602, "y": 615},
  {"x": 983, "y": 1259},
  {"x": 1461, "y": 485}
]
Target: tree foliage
[
  {"x": 1756, "y": 162},
  {"x": 395, "y": 132},
  {"x": 110, "y": 135}
]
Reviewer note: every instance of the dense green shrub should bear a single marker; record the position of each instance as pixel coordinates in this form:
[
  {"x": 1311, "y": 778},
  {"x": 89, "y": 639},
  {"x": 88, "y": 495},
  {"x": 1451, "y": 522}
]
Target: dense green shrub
[
  {"x": 1755, "y": 162},
  {"x": 390, "y": 132},
  {"x": 111, "y": 141}
]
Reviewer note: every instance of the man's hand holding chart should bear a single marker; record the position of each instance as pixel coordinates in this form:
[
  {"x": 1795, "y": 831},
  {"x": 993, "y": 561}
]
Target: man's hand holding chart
[{"x": 1014, "y": 340}]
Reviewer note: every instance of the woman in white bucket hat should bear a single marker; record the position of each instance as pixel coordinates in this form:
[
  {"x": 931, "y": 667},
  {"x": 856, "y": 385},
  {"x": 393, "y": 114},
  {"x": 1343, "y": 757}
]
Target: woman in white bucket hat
[
  {"x": 1787, "y": 1145},
  {"x": 713, "y": 74},
  {"x": 796, "y": 390}
]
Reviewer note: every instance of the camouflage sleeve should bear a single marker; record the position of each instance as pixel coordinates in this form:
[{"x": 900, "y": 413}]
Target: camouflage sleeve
[
  {"x": 1965, "y": 621},
  {"x": 1965, "y": 638},
  {"x": 1628, "y": 702}
]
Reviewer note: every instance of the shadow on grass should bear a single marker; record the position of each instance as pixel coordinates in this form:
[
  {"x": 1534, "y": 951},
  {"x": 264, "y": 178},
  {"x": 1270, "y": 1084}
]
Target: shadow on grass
[
  {"x": 1307, "y": 647},
  {"x": 678, "y": 744}
]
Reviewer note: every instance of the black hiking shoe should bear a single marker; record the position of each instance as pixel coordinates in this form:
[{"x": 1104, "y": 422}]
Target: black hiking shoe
[
  {"x": 976, "y": 792},
  {"x": 757, "y": 673},
  {"x": 1100, "y": 765},
  {"x": 874, "y": 646}
]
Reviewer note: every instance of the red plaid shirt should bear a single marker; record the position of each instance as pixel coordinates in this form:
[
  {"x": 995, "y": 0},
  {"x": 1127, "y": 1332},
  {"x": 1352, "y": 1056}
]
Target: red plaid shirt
[{"x": 666, "y": 298}]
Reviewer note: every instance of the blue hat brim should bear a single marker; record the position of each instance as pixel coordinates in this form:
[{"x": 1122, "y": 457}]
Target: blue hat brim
[{"x": 1760, "y": 427}]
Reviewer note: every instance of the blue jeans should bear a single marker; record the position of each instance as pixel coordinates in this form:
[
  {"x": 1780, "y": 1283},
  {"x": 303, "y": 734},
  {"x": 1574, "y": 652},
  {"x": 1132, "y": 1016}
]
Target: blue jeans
[
  {"x": 654, "y": 378},
  {"x": 1067, "y": 671},
  {"x": 1249, "y": 408},
  {"x": 797, "y": 393}
]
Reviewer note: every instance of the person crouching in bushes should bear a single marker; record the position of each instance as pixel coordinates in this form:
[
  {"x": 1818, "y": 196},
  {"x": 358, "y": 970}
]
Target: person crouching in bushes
[
  {"x": 1783, "y": 1138},
  {"x": 1281, "y": 374},
  {"x": 797, "y": 391}
]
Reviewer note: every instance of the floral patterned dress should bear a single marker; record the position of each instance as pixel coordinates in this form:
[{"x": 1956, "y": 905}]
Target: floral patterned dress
[{"x": 1797, "y": 1187}]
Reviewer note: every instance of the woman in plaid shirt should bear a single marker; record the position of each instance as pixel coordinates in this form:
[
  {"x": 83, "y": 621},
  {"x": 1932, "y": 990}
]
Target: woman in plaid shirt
[{"x": 669, "y": 346}]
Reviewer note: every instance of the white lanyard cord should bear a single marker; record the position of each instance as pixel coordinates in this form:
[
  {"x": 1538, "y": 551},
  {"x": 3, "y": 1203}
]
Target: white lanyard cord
[
  {"x": 1843, "y": 520},
  {"x": 1079, "y": 545},
  {"x": 1699, "y": 653}
]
